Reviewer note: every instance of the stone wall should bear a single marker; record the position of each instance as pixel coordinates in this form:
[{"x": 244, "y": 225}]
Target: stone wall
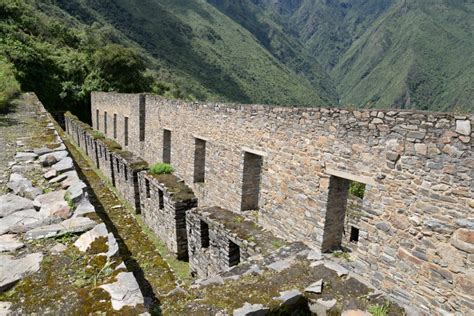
[
  {"x": 126, "y": 167},
  {"x": 416, "y": 235},
  {"x": 220, "y": 239},
  {"x": 164, "y": 202}
]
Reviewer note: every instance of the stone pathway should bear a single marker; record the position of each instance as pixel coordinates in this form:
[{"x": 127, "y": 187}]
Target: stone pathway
[
  {"x": 42, "y": 221},
  {"x": 14, "y": 126}
]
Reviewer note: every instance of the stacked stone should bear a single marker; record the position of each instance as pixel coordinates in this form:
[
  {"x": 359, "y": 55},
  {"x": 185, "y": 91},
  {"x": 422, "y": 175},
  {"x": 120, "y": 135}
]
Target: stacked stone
[
  {"x": 417, "y": 167},
  {"x": 219, "y": 239},
  {"x": 165, "y": 200},
  {"x": 126, "y": 167}
]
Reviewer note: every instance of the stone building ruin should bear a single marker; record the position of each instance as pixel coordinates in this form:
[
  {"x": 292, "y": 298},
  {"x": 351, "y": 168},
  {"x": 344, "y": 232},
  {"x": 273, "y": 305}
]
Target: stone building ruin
[{"x": 286, "y": 172}]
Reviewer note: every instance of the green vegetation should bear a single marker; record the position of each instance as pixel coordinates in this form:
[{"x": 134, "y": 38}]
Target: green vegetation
[
  {"x": 9, "y": 86},
  {"x": 357, "y": 189},
  {"x": 379, "y": 53},
  {"x": 379, "y": 310},
  {"x": 63, "y": 61},
  {"x": 375, "y": 53},
  {"x": 161, "y": 168},
  {"x": 342, "y": 254}
]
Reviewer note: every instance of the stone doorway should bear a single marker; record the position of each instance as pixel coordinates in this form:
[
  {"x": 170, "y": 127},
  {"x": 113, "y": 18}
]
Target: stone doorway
[{"x": 341, "y": 219}]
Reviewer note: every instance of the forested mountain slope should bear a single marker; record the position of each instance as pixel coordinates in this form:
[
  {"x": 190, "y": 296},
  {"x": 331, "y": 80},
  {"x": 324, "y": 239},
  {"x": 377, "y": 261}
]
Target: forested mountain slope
[
  {"x": 379, "y": 53},
  {"x": 364, "y": 53}
]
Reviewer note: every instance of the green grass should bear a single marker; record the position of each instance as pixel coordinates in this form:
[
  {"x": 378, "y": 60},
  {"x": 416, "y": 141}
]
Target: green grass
[
  {"x": 161, "y": 168},
  {"x": 379, "y": 310},
  {"x": 9, "y": 86}
]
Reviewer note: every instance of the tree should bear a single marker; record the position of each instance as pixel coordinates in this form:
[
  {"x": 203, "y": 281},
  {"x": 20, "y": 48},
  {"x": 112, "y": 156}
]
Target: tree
[{"x": 117, "y": 68}]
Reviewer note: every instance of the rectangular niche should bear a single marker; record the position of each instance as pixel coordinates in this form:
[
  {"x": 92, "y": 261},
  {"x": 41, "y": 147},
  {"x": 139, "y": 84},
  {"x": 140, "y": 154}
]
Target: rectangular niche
[
  {"x": 115, "y": 126},
  {"x": 166, "y": 146},
  {"x": 199, "y": 160},
  {"x": 251, "y": 181},
  {"x": 105, "y": 123},
  {"x": 125, "y": 131},
  {"x": 234, "y": 254},
  {"x": 204, "y": 234}
]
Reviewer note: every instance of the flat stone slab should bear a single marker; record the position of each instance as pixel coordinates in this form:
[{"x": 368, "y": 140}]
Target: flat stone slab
[
  {"x": 289, "y": 297},
  {"x": 327, "y": 304},
  {"x": 340, "y": 270},
  {"x": 73, "y": 225},
  {"x": 53, "y": 204},
  {"x": 316, "y": 287},
  {"x": 23, "y": 221},
  {"x": 10, "y": 204},
  {"x": 57, "y": 178},
  {"x": 50, "y": 174},
  {"x": 84, "y": 207},
  {"x": 10, "y": 243},
  {"x": 124, "y": 292},
  {"x": 64, "y": 165},
  {"x": 251, "y": 310},
  {"x": 281, "y": 264},
  {"x": 42, "y": 151},
  {"x": 22, "y": 156},
  {"x": 17, "y": 182},
  {"x": 84, "y": 242},
  {"x": 59, "y": 155},
  {"x": 314, "y": 255},
  {"x": 76, "y": 191},
  {"x": 58, "y": 248},
  {"x": 5, "y": 308},
  {"x": 12, "y": 270}
]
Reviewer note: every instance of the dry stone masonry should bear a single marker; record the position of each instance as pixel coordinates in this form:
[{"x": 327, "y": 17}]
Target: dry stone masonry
[
  {"x": 164, "y": 203},
  {"x": 412, "y": 233}
]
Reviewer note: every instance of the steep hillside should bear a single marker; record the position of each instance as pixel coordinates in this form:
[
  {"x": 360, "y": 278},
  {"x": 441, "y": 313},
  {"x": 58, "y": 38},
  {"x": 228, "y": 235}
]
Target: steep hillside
[
  {"x": 417, "y": 55},
  {"x": 211, "y": 54},
  {"x": 379, "y": 53}
]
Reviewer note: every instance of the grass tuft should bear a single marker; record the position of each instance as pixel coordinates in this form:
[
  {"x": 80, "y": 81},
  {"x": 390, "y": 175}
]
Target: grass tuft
[{"x": 161, "y": 168}]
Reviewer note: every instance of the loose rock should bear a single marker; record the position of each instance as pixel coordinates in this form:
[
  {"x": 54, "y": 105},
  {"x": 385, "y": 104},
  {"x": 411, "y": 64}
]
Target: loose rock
[
  {"x": 84, "y": 207},
  {"x": 50, "y": 174},
  {"x": 10, "y": 204},
  {"x": 316, "y": 287},
  {"x": 73, "y": 225},
  {"x": 10, "y": 243},
  {"x": 290, "y": 297},
  {"x": 22, "y": 156},
  {"x": 251, "y": 310},
  {"x": 124, "y": 292},
  {"x": 65, "y": 164},
  {"x": 13, "y": 270}
]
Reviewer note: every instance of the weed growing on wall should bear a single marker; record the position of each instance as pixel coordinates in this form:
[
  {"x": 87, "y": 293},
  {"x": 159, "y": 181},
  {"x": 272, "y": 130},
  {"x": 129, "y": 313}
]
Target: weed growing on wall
[
  {"x": 357, "y": 189},
  {"x": 161, "y": 168}
]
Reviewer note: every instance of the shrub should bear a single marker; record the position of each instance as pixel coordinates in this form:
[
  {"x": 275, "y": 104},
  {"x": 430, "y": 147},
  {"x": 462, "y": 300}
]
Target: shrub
[
  {"x": 9, "y": 87},
  {"x": 357, "y": 189},
  {"x": 161, "y": 168}
]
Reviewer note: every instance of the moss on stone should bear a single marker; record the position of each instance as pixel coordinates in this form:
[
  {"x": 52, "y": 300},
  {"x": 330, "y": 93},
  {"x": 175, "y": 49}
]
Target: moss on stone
[
  {"x": 111, "y": 145},
  {"x": 180, "y": 191},
  {"x": 99, "y": 245},
  {"x": 242, "y": 228},
  {"x": 134, "y": 162}
]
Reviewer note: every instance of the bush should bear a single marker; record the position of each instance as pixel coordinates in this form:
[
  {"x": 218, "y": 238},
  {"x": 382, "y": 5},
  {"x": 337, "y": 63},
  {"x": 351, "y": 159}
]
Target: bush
[
  {"x": 357, "y": 189},
  {"x": 9, "y": 87},
  {"x": 161, "y": 168}
]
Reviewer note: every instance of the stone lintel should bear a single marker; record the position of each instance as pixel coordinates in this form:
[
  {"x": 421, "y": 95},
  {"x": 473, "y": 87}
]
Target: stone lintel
[
  {"x": 350, "y": 176},
  {"x": 254, "y": 151}
]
